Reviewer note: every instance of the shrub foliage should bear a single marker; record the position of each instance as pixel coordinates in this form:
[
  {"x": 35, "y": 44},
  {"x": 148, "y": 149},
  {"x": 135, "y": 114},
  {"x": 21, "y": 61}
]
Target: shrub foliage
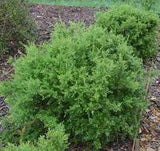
[
  {"x": 86, "y": 79},
  {"x": 16, "y": 27},
  {"x": 139, "y": 28},
  {"x": 55, "y": 140}
]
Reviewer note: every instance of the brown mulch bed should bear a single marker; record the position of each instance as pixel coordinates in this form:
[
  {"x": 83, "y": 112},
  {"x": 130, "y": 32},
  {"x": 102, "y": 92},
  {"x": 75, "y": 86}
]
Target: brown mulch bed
[{"x": 45, "y": 17}]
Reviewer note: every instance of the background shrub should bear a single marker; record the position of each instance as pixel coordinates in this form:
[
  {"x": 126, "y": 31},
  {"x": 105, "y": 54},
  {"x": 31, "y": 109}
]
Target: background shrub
[
  {"x": 137, "y": 26},
  {"x": 87, "y": 79},
  {"x": 16, "y": 27}
]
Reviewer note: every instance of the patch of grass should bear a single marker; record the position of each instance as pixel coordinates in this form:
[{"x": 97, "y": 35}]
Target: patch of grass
[
  {"x": 81, "y": 3},
  {"x": 157, "y": 7},
  {"x": 92, "y": 3}
]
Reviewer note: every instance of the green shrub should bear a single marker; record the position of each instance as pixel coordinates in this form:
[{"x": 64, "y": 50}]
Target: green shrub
[
  {"x": 87, "y": 79},
  {"x": 16, "y": 27},
  {"x": 137, "y": 26}
]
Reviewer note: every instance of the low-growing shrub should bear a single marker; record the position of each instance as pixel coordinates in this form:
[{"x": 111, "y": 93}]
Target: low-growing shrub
[
  {"x": 16, "y": 27},
  {"x": 139, "y": 28},
  {"x": 87, "y": 79}
]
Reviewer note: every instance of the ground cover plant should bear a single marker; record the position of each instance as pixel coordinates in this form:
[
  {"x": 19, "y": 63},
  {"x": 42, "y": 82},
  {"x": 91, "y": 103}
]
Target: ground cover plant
[
  {"x": 16, "y": 27},
  {"x": 85, "y": 79},
  {"x": 139, "y": 27}
]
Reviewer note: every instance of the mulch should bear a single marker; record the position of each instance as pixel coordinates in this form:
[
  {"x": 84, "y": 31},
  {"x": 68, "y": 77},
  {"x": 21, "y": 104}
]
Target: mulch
[{"x": 45, "y": 17}]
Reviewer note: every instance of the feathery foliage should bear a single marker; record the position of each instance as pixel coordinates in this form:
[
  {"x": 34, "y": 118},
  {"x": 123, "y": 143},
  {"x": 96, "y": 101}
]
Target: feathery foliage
[
  {"x": 139, "y": 28},
  {"x": 87, "y": 79}
]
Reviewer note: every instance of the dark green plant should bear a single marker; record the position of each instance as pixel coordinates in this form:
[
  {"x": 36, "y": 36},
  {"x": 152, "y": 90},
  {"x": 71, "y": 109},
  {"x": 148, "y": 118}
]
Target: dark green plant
[
  {"x": 87, "y": 79},
  {"x": 139, "y": 28},
  {"x": 16, "y": 26},
  {"x": 55, "y": 140},
  {"x": 44, "y": 134}
]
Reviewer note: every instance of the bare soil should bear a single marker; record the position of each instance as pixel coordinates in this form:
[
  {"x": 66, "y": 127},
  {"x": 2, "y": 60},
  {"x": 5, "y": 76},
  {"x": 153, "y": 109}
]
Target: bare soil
[{"x": 46, "y": 16}]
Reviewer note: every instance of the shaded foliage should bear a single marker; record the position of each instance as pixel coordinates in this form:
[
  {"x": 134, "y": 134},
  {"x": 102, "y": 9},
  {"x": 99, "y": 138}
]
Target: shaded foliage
[{"x": 16, "y": 27}]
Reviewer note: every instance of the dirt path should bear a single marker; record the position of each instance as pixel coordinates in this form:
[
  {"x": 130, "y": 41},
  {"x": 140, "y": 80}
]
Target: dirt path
[{"x": 45, "y": 18}]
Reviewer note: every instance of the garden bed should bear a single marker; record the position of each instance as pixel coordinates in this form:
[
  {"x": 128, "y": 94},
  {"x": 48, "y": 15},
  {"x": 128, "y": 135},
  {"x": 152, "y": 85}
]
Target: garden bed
[{"x": 45, "y": 17}]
